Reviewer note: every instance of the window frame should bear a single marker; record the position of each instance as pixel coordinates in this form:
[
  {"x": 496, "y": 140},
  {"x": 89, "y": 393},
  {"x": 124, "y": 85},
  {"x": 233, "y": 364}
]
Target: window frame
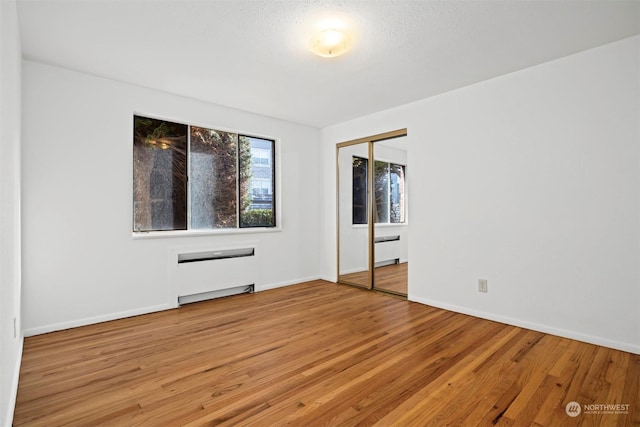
[{"x": 188, "y": 232}]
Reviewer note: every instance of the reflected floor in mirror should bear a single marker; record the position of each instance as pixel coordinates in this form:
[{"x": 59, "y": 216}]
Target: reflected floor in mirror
[
  {"x": 360, "y": 279},
  {"x": 392, "y": 278},
  {"x": 389, "y": 277}
]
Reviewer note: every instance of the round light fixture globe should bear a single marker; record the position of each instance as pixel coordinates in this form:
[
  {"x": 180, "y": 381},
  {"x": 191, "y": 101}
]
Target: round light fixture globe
[{"x": 330, "y": 43}]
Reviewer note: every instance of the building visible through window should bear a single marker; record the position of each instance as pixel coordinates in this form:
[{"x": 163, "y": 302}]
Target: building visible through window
[
  {"x": 258, "y": 208},
  {"x": 262, "y": 174}
]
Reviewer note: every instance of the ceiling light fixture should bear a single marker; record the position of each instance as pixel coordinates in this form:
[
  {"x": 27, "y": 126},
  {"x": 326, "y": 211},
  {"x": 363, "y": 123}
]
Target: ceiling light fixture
[{"x": 330, "y": 43}]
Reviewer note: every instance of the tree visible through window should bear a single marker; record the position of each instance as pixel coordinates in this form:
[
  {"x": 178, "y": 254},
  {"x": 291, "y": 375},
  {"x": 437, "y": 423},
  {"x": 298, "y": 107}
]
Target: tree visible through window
[
  {"x": 389, "y": 182},
  {"x": 214, "y": 162},
  {"x": 190, "y": 177}
]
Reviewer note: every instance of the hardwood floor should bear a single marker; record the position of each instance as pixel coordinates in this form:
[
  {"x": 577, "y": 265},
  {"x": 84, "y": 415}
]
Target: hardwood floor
[{"x": 318, "y": 354}]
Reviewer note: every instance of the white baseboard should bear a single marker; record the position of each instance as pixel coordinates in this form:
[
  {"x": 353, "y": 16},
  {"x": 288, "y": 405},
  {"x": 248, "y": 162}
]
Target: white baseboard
[
  {"x": 578, "y": 336},
  {"x": 287, "y": 283},
  {"x": 14, "y": 385},
  {"x": 97, "y": 319}
]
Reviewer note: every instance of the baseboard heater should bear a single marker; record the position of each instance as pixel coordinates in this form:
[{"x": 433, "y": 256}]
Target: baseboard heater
[
  {"x": 216, "y": 255},
  {"x": 203, "y": 296},
  {"x": 208, "y": 273},
  {"x": 385, "y": 252}
]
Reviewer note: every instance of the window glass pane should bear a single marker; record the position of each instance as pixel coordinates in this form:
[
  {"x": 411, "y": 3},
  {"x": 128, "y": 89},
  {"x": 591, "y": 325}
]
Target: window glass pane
[
  {"x": 381, "y": 173},
  {"x": 213, "y": 181},
  {"x": 360, "y": 208},
  {"x": 396, "y": 197},
  {"x": 159, "y": 175},
  {"x": 257, "y": 201}
]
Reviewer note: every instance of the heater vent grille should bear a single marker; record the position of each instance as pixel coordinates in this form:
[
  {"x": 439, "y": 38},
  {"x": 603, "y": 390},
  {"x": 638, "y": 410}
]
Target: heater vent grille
[{"x": 215, "y": 255}]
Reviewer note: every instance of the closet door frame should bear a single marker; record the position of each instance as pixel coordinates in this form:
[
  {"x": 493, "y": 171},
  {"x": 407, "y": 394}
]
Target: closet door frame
[{"x": 370, "y": 141}]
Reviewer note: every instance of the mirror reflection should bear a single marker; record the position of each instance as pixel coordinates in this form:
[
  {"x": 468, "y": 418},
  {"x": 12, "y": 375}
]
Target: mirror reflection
[
  {"x": 353, "y": 230},
  {"x": 390, "y": 207}
]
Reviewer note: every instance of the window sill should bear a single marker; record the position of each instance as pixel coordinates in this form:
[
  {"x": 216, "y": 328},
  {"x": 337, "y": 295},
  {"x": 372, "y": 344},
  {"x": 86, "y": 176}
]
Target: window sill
[{"x": 141, "y": 235}]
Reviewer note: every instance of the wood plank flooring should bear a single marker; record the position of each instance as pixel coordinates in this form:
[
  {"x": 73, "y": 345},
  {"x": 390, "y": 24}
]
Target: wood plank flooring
[{"x": 318, "y": 354}]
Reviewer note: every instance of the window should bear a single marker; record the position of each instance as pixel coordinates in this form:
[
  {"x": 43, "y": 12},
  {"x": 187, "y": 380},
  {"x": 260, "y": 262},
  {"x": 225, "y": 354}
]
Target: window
[
  {"x": 389, "y": 179},
  {"x": 194, "y": 178}
]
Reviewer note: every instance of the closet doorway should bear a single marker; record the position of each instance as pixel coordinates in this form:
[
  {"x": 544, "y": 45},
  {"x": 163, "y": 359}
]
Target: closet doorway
[{"x": 372, "y": 213}]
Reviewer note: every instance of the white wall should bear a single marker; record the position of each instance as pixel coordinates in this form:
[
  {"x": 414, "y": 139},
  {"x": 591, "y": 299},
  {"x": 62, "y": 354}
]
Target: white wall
[
  {"x": 81, "y": 264},
  {"x": 10, "y": 343},
  {"x": 531, "y": 181}
]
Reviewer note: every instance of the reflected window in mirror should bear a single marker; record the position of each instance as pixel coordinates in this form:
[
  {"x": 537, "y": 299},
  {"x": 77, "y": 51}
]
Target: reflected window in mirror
[
  {"x": 360, "y": 166},
  {"x": 390, "y": 198}
]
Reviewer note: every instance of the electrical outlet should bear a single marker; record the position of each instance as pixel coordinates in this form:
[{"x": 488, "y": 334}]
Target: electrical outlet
[{"x": 483, "y": 286}]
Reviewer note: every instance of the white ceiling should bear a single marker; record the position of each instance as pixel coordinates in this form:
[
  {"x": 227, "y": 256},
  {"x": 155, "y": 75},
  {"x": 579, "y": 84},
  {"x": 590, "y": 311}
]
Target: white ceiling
[{"x": 253, "y": 55}]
